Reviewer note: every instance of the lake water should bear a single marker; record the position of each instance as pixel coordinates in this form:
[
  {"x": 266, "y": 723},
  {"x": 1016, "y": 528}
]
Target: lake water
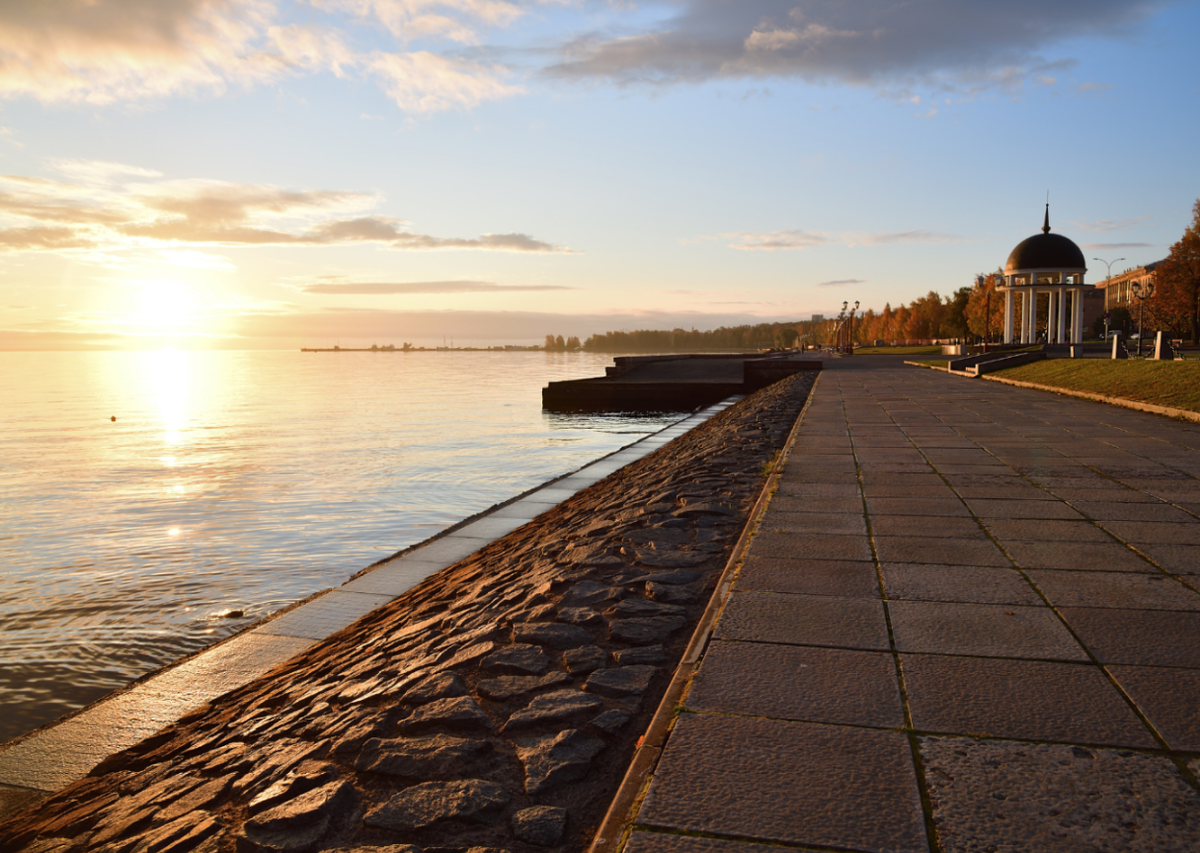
[{"x": 241, "y": 481}]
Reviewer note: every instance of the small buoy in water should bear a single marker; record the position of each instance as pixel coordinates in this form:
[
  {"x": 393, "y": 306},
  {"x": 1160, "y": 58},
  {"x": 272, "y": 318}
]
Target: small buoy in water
[
  {"x": 230, "y": 614},
  {"x": 113, "y": 419}
]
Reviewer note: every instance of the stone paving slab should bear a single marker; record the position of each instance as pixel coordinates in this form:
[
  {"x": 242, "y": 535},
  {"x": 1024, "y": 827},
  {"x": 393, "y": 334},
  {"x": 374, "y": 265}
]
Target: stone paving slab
[
  {"x": 1006, "y": 659},
  {"x": 795, "y": 783}
]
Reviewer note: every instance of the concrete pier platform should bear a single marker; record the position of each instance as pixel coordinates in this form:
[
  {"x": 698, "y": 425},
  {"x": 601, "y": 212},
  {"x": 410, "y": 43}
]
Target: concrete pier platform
[{"x": 968, "y": 620}]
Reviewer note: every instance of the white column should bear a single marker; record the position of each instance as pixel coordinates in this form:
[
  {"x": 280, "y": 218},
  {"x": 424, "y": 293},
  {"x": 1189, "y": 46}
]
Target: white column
[
  {"x": 1008, "y": 316},
  {"x": 1050, "y": 317},
  {"x": 1078, "y": 302},
  {"x": 1030, "y": 307},
  {"x": 1062, "y": 315}
]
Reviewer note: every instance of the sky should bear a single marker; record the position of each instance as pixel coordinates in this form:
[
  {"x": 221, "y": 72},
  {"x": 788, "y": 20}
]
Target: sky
[{"x": 267, "y": 174}]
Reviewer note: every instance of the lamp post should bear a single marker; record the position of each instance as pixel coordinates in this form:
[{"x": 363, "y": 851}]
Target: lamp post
[
  {"x": 1107, "y": 277},
  {"x": 850, "y": 331},
  {"x": 1142, "y": 292}
]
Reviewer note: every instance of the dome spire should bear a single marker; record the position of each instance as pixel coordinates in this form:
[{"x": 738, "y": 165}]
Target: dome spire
[{"x": 1046, "y": 224}]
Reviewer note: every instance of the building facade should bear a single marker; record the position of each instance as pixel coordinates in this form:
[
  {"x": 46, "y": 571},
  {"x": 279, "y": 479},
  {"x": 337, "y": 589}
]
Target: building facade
[{"x": 1118, "y": 290}]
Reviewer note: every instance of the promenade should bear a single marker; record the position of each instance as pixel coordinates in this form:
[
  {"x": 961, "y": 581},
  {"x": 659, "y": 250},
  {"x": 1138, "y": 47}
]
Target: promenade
[{"x": 968, "y": 621}]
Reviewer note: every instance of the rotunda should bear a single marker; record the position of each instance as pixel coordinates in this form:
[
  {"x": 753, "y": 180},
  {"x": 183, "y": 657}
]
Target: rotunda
[{"x": 1054, "y": 265}]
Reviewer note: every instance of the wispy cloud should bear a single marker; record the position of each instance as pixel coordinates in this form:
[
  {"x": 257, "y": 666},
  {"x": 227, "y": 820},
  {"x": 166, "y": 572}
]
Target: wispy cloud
[
  {"x": 1100, "y": 247},
  {"x": 841, "y": 282},
  {"x": 413, "y": 287},
  {"x": 1103, "y": 225},
  {"x": 108, "y": 207},
  {"x": 798, "y": 240}
]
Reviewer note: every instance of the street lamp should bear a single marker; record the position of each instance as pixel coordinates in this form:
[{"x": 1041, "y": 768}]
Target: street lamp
[
  {"x": 1141, "y": 291},
  {"x": 1107, "y": 278}
]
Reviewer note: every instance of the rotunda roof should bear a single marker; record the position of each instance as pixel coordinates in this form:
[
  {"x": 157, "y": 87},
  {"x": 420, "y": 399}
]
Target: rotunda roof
[{"x": 1045, "y": 251}]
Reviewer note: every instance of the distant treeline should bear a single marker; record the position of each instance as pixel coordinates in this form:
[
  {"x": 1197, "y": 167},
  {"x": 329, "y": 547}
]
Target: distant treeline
[{"x": 690, "y": 340}]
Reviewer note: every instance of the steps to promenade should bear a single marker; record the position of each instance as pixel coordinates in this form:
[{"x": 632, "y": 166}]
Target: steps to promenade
[{"x": 967, "y": 621}]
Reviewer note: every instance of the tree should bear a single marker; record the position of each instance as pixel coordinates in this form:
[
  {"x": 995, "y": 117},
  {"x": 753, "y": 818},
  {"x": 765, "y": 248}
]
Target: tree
[
  {"x": 954, "y": 324},
  {"x": 549, "y": 345},
  {"x": 572, "y": 343},
  {"x": 979, "y": 321},
  {"x": 786, "y": 337},
  {"x": 1177, "y": 283}
]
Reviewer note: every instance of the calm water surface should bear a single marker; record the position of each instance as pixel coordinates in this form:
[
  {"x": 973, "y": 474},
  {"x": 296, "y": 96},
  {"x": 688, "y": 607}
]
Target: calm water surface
[{"x": 240, "y": 481}]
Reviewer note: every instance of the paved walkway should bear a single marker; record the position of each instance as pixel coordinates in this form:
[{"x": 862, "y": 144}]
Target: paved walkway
[
  {"x": 968, "y": 621},
  {"x": 65, "y": 752}
]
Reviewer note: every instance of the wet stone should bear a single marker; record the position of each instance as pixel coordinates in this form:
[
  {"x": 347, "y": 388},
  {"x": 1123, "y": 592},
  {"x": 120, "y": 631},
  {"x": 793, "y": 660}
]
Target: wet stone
[
  {"x": 621, "y": 681},
  {"x": 517, "y": 659},
  {"x": 705, "y": 508},
  {"x": 579, "y": 616},
  {"x": 671, "y": 559},
  {"x": 644, "y": 631},
  {"x": 423, "y": 757},
  {"x": 587, "y": 593},
  {"x": 584, "y": 659},
  {"x": 183, "y": 835},
  {"x": 670, "y": 593},
  {"x": 611, "y": 721},
  {"x": 458, "y": 713},
  {"x": 309, "y": 775},
  {"x": 299, "y": 823},
  {"x": 658, "y": 537},
  {"x": 387, "y": 848},
  {"x": 508, "y": 686},
  {"x": 556, "y": 760},
  {"x": 540, "y": 825},
  {"x": 679, "y": 576},
  {"x": 552, "y": 708},
  {"x": 643, "y": 607},
  {"x": 552, "y": 634},
  {"x": 470, "y": 653},
  {"x": 640, "y": 655},
  {"x": 283, "y": 757},
  {"x": 470, "y": 800}
]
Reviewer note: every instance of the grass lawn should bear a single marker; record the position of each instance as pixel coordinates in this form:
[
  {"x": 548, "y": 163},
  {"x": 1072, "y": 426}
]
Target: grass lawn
[
  {"x": 930, "y": 350},
  {"x": 933, "y": 362},
  {"x": 1162, "y": 383}
]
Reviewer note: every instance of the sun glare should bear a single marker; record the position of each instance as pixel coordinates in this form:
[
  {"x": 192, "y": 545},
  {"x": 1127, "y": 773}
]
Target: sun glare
[{"x": 165, "y": 306}]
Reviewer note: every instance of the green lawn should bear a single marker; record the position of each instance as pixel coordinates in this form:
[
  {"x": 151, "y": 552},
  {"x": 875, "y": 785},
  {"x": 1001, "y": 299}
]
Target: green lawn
[
  {"x": 932, "y": 362},
  {"x": 929, "y": 350},
  {"x": 1161, "y": 383}
]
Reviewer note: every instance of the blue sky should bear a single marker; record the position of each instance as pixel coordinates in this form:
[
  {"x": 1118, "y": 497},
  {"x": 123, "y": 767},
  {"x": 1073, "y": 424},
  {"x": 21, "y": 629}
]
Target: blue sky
[{"x": 275, "y": 174}]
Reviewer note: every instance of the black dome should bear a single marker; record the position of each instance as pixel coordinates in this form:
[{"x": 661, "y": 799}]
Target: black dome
[{"x": 1046, "y": 251}]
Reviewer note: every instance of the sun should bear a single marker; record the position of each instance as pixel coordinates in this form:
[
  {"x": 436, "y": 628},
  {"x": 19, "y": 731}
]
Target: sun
[{"x": 165, "y": 306}]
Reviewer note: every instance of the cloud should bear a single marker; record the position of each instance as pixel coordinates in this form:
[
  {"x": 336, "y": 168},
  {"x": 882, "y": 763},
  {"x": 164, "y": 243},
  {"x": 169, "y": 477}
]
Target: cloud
[
  {"x": 773, "y": 241},
  {"x": 842, "y": 281},
  {"x": 106, "y": 51},
  {"x": 777, "y": 240},
  {"x": 424, "y": 82},
  {"x": 1100, "y": 247},
  {"x": 877, "y": 42},
  {"x": 410, "y": 287},
  {"x": 101, "y": 212},
  {"x": 1102, "y": 225}
]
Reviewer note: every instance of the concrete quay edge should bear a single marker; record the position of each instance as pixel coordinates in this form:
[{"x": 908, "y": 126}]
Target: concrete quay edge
[
  {"x": 53, "y": 756},
  {"x": 617, "y": 824}
]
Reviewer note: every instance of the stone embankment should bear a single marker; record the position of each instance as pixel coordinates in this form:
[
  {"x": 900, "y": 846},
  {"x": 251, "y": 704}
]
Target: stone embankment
[{"x": 494, "y": 707}]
